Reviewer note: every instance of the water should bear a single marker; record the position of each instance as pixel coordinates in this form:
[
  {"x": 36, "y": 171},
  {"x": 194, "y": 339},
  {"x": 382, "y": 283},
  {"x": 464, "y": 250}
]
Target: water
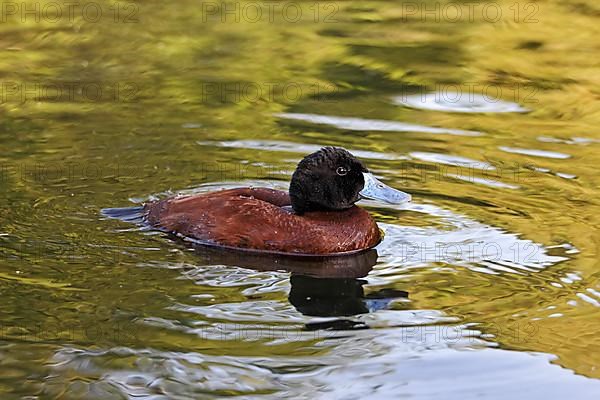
[{"x": 485, "y": 286}]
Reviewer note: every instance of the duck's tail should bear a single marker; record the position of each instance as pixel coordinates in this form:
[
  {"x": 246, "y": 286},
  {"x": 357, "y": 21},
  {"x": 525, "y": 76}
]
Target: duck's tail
[{"x": 129, "y": 214}]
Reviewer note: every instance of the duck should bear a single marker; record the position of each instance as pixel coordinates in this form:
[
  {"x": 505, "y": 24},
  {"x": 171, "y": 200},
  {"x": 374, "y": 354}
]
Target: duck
[{"x": 316, "y": 217}]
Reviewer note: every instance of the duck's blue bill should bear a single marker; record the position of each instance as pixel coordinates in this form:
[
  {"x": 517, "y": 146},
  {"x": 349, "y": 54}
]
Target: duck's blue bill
[{"x": 376, "y": 190}]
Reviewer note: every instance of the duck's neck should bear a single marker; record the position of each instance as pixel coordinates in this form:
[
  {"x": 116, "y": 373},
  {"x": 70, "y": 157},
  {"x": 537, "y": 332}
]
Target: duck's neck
[{"x": 298, "y": 196}]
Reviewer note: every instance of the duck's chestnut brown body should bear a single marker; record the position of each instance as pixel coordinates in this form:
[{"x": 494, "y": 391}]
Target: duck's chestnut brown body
[{"x": 261, "y": 219}]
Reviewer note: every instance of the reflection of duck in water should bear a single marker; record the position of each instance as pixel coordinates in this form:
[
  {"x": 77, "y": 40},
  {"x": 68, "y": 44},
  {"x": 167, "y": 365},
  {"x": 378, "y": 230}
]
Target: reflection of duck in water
[
  {"x": 317, "y": 217},
  {"x": 350, "y": 266},
  {"x": 337, "y": 297},
  {"x": 320, "y": 286}
]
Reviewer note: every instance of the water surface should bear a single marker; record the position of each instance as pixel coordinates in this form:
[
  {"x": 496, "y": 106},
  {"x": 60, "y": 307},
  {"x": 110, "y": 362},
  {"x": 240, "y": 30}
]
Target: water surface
[{"x": 486, "y": 285}]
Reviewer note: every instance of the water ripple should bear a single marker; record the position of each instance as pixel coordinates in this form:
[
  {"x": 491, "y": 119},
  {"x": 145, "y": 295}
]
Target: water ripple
[
  {"x": 458, "y": 102},
  {"x": 461, "y": 241},
  {"x": 534, "y": 152},
  {"x": 573, "y": 140},
  {"x": 451, "y": 160},
  {"x": 361, "y": 124},
  {"x": 279, "y": 145},
  {"x": 484, "y": 181}
]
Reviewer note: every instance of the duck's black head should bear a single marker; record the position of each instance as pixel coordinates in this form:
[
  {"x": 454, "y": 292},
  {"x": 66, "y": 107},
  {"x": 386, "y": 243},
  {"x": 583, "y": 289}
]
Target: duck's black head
[
  {"x": 333, "y": 179},
  {"x": 329, "y": 179}
]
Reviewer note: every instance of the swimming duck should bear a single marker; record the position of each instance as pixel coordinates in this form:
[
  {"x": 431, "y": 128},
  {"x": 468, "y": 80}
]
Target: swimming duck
[{"x": 317, "y": 217}]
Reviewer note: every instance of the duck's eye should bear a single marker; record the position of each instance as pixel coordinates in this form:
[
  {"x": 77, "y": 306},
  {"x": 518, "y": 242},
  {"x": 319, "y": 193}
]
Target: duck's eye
[{"x": 341, "y": 171}]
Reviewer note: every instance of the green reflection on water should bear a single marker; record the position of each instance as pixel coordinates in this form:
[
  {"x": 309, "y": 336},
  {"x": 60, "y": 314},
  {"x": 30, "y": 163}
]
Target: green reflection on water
[{"x": 96, "y": 113}]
